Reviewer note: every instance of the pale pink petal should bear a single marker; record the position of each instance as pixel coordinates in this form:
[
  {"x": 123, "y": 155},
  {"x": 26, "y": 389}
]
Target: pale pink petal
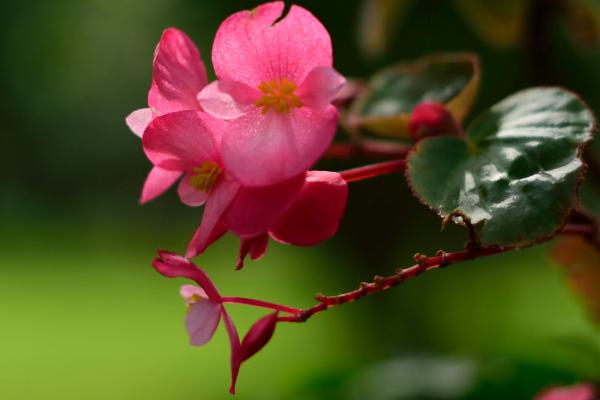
[
  {"x": 255, "y": 246},
  {"x": 258, "y": 336},
  {"x": 228, "y": 99},
  {"x": 178, "y": 74},
  {"x": 234, "y": 342},
  {"x": 211, "y": 228},
  {"x": 183, "y": 140},
  {"x": 316, "y": 214},
  {"x": 188, "y": 292},
  {"x": 190, "y": 195},
  {"x": 262, "y": 150},
  {"x": 157, "y": 182},
  {"x": 138, "y": 120},
  {"x": 255, "y": 209},
  {"x": 251, "y": 47},
  {"x": 202, "y": 320},
  {"x": 320, "y": 87}
]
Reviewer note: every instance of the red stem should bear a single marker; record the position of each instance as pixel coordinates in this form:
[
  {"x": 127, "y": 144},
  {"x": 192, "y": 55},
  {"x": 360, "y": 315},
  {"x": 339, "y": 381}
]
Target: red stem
[
  {"x": 372, "y": 170},
  {"x": 368, "y": 147},
  {"x": 260, "y": 303},
  {"x": 381, "y": 283}
]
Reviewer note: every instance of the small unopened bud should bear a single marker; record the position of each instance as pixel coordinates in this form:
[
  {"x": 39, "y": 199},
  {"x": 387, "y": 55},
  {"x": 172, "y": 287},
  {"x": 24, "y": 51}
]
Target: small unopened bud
[{"x": 432, "y": 119}]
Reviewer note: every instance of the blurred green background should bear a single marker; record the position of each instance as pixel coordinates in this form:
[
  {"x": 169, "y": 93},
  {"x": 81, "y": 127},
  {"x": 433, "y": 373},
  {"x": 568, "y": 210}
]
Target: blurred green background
[{"x": 84, "y": 316}]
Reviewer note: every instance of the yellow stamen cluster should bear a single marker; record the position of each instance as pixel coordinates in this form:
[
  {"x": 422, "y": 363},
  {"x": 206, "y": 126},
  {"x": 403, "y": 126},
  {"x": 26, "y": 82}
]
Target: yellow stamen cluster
[
  {"x": 278, "y": 96},
  {"x": 205, "y": 176},
  {"x": 195, "y": 298}
]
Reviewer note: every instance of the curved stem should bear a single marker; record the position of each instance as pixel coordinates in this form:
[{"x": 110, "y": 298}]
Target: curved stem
[
  {"x": 369, "y": 148},
  {"x": 588, "y": 230},
  {"x": 372, "y": 170},
  {"x": 260, "y": 303}
]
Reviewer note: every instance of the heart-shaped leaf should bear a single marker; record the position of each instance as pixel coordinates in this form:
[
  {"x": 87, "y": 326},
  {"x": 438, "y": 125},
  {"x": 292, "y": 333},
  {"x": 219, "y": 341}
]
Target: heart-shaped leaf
[
  {"x": 516, "y": 174},
  {"x": 385, "y": 107}
]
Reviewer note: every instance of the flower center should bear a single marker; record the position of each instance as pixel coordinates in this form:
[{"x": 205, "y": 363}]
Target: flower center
[
  {"x": 205, "y": 176},
  {"x": 278, "y": 95},
  {"x": 194, "y": 299}
]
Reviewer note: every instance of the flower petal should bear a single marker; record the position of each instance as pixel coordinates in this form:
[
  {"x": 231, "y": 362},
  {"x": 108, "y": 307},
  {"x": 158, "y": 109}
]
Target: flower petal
[
  {"x": 262, "y": 150},
  {"x": 178, "y": 74},
  {"x": 316, "y": 214},
  {"x": 172, "y": 265},
  {"x": 138, "y": 120},
  {"x": 258, "y": 336},
  {"x": 234, "y": 341},
  {"x": 255, "y": 246},
  {"x": 251, "y": 47},
  {"x": 228, "y": 99},
  {"x": 188, "y": 292},
  {"x": 189, "y": 195},
  {"x": 183, "y": 140},
  {"x": 202, "y": 320},
  {"x": 157, "y": 182},
  {"x": 211, "y": 228},
  {"x": 256, "y": 209},
  {"x": 320, "y": 87}
]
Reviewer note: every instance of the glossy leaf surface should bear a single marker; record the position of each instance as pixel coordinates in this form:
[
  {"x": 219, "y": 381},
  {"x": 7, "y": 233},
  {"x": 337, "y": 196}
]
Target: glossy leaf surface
[{"x": 517, "y": 172}]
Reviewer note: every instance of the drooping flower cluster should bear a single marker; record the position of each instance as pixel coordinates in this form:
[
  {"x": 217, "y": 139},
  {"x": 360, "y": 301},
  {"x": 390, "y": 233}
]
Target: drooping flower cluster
[{"x": 242, "y": 146}]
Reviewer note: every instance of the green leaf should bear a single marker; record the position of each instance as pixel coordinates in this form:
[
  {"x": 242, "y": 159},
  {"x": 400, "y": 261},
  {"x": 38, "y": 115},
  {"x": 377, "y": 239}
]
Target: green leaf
[
  {"x": 385, "y": 107},
  {"x": 516, "y": 174}
]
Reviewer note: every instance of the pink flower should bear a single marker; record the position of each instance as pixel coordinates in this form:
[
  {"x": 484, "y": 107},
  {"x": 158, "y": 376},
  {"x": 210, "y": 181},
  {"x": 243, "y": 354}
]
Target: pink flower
[
  {"x": 580, "y": 391},
  {"x": 276, "y": 83},
  {"x": 205, "y": 310},
  {"x": 313, "y": 217},
  {"x": 178, "y": 75}
]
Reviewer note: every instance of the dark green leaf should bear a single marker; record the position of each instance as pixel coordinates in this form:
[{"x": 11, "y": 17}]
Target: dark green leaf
[{"x": 516, "y": 174}]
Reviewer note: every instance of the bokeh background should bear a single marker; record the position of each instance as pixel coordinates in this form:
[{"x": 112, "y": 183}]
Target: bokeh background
[{"x": 84, "y": 316}]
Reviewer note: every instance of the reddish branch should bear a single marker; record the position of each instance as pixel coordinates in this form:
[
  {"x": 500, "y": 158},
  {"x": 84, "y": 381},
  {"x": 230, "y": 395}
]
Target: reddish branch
[
  {"x": 372, "y": 170},
  {"x": 368, "y": 148},
  {"x": 381, "y": 283}
]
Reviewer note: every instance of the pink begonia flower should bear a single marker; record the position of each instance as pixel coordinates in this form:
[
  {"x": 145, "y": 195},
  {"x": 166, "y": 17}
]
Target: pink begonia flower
[
  {"x": 580, "y": 391},
  {"x": 313, "y": 218},
  {"x": 188, "y": 142},
  {"x": 178, "y": 75},
  {"x": 205, "y": 310},
  {"x": 276, "y": 84}
]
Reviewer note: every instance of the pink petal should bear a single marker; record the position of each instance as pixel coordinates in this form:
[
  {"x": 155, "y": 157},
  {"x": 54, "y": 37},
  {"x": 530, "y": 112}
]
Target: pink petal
[
  {"x": 178, "y": 74},
  {"x": 255, "y": 209},
  {"x": 316, "y": 214},
  {"x": 228, "y": 99},
  {"x": 172, "y": 265},
  {"x": 183, "y": 140},
  {"x": 251, "y": 47},
  {"x": 255, "y": 246},
  {"x": 581, "y": 391},
  {"x": 211, "y": 228},
  {"x": 320, "y": 87},
  {"x": 258, "y": 336},
  {"x": 189, "y": 195},
  {"x": 188, "y": 292},
  {"x": 202, "y": 320},
  {"x": 157, "y": 182},
  {"x": 234, "y": 342},
  {"x": 262, "y": 150},
  {"x": 138, "y": 120}
]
